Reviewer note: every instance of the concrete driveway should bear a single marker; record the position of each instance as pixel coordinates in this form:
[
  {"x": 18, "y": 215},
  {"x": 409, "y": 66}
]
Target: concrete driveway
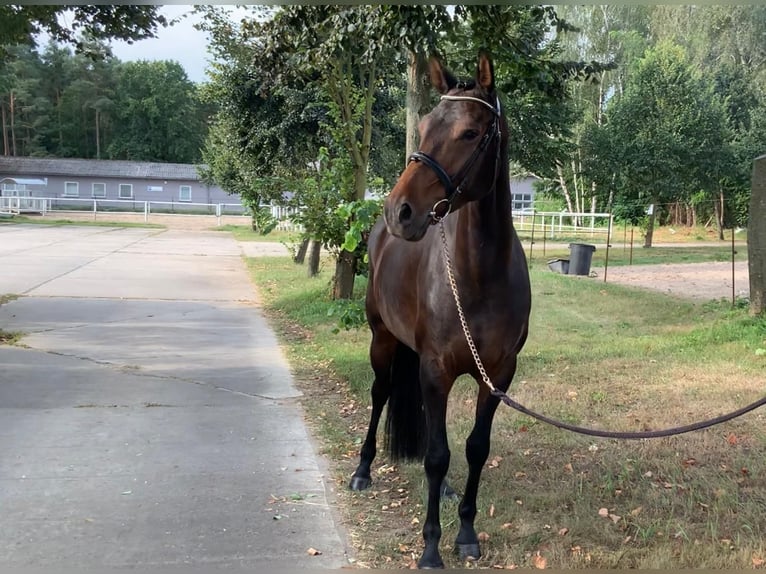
[{"x": 149, "y": 419}]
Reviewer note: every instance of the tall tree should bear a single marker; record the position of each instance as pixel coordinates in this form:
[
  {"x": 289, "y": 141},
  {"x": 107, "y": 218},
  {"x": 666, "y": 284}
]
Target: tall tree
[
  {"x": 660, "y": 136},
  {"x": 156, "y": 109}
]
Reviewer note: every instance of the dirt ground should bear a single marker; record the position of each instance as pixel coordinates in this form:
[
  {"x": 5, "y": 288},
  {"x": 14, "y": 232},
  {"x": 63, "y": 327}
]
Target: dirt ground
[{"x": 698, "y": 281}]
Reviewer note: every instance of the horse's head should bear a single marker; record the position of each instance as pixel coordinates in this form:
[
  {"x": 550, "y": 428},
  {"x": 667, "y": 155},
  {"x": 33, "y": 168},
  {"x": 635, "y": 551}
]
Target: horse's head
[{"x": 459, "y": 155}]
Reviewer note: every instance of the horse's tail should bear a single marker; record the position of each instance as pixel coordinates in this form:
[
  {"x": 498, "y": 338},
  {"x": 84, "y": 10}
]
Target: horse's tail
[{"x": 405, "y": 419}]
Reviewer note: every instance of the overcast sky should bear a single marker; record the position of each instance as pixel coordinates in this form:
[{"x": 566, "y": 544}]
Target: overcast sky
[{"x": 180, "y": 42}]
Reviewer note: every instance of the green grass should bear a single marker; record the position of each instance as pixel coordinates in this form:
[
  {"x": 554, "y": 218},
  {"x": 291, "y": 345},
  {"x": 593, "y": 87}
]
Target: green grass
[
  {"x": 9, "y": 337},
  {"x": 598, "y": 355},
  {"x": 59, "y": 222},
  {"x": 246, "y": 233}
]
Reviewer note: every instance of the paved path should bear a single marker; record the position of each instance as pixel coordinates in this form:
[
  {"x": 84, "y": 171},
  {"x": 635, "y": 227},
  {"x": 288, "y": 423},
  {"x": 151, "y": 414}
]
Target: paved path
[{"x": 150, "y": 418}]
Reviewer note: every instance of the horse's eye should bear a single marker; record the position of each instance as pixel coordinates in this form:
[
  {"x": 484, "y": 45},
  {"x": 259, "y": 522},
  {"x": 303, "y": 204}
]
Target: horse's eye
[{"x": 469, "y": 135}]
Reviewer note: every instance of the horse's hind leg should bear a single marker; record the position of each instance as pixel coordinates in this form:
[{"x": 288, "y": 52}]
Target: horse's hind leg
[
  {"x": 382, "y": 350},
  {"x": 477, "y": 452}
]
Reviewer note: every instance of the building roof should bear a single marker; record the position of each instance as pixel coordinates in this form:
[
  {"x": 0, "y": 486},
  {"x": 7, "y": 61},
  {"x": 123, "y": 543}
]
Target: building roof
[{"x": 42, "y": 167}]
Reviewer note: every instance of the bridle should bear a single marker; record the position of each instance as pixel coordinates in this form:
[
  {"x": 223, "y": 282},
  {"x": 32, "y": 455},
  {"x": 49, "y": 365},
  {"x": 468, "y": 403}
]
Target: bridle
[{"x": 453, "y": 189}]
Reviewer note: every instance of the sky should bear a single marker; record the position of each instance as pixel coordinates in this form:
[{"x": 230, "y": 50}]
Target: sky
[{"x": 180, "y": 42}]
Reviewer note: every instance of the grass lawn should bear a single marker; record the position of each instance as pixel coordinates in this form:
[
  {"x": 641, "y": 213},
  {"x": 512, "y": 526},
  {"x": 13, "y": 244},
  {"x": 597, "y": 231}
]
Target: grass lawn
[
  {"x": 51, "y": 221},
  {"x": 598, "y": 355},
  {"x": 246, "y": 233}
]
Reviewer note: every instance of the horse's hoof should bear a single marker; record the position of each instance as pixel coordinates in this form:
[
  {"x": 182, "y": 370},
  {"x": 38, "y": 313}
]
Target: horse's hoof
[
  {"x": 469, "y": 551},
  {"x": 428, "y": 565},
  {"x": 360, "y": 482}
]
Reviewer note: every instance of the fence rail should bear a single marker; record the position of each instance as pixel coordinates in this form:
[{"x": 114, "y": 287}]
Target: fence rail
[
  {"x": 551, "y": 224},
  {"x": 48, "y": 205},
  {"x": 560, "y": 224}
]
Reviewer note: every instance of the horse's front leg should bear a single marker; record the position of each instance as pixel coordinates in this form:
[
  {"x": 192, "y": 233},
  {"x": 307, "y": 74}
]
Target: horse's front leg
[
  {"x": 476, "y": 453},
  {"x": 436, "y": 387}
]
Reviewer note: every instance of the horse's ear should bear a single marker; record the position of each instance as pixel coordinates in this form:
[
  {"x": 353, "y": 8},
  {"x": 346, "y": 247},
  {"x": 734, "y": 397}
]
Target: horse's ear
[
  {"x": 485, "y": 72},
  {"x": 441, "y": 78}
]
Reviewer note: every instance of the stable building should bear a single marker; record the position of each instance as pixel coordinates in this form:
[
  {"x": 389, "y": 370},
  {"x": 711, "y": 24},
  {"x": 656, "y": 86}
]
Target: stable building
[{"x": 32, "y": 178}]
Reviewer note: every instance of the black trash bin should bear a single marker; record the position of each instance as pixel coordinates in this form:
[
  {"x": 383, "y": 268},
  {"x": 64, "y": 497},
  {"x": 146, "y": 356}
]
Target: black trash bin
[{"x": 580, "y": 255}]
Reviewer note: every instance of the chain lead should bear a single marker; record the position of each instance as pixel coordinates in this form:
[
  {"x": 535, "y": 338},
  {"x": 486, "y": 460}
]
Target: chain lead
[{"x": 469, "y": 339}]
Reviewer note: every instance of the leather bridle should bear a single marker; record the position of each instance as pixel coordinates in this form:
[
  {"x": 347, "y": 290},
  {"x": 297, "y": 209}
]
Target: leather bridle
[{"x": 452, "y": 188}]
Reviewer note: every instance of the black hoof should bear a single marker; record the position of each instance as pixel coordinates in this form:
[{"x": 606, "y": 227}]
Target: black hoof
[
  {"x": 422, "y": 565},
  {"x": 468, "y": 551},
  {"x": 360, "y": 482}
]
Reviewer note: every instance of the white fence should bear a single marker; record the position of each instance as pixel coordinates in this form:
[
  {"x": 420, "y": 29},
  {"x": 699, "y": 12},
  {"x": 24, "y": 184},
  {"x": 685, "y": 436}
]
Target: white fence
[
  {"x": 552, "y": 224},
  {"x": 47, "y": 205}
]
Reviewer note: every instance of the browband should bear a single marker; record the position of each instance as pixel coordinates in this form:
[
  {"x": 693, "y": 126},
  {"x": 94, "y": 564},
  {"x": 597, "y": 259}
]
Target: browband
[{"x": 495, "y": 108}]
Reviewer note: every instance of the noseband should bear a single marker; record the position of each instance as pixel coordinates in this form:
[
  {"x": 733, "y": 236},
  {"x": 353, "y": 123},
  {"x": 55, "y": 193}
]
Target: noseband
[{"x": 452, "y": 189}]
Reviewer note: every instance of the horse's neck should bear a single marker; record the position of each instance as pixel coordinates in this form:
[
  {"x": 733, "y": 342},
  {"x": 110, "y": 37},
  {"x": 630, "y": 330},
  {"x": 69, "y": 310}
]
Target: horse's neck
[{"x": 486, "y": 224}]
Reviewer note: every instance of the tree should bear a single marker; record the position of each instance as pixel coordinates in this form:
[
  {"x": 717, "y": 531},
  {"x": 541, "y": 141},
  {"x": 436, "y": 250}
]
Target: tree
[
  {"x": 660, "y": 136},
  {"x": 318, "y": 47},
  {"x": 156, "y": 108},
  {"x": 21, "y": 23}
]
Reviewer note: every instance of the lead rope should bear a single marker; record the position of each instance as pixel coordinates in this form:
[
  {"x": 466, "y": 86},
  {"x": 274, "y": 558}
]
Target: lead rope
[{"x": 497, "y": 393}]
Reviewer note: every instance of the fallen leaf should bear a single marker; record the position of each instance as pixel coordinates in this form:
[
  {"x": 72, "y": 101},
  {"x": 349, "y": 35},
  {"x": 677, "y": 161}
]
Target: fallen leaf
[
  {"x": 491, "y": 510},
  {"x": 520, "y": 474},
  {"x": 506, "y": 526},
  {"x": 415, "y": 521},
  {"x": 615, "y": 518},
  {"x": 636, "y": 511},
  {"x": 732, "y": 439},
  {"x": 563, "y": 531},
  {"x": 313, "y": 552},
  {"x": 689, "y": 462},
  {"x": 758, "y": 561},
  {"x": 603, "y": 512},
  {"x": 482, "y": 536},
  {"x": 539, "y": 562},
  {"x": 568, "y": 467}
]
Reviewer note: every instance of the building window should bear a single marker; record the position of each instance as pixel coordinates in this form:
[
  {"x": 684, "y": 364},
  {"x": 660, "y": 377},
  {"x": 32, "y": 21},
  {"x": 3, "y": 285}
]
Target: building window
[
  {"x": 126, "y": 191},
  {"x": 522, "y": 202},
  {"x": 184, "y": 193},
  {"x": 99, "y": 190},
  {"x": 71, "y": 189}
]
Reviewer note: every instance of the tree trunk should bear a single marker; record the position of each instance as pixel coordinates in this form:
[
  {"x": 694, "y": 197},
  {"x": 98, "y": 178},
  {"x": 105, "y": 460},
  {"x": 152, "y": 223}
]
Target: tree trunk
[
  {"x": 650, "y": 226},
  {"x": 756, "y": 238},
  {"x": 6, "y": 151},
  {"x": 564, "y": 188},
  {"x": 418, "y": 99},
  {"x": 314, "y": 253},
  {"x": 345, "y": 270},
  {"x": 98, "y": 140},
  {"x": 13, "y": 129},
  {"x": 300, "y": 255},
  {"x": 718, "y": 210}
]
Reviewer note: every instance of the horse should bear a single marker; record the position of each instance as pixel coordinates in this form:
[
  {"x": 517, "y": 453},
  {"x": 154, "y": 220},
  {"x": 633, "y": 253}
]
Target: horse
[{"x": 454, "y": 194}]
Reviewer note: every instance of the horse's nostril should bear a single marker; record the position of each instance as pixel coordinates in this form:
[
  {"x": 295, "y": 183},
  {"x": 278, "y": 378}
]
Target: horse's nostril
[{"x": 405, "y": 213}]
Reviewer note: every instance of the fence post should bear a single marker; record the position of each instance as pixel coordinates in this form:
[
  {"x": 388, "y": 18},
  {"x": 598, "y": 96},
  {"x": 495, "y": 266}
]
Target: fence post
[
  {"x": 218, "y": 213},
  {"x": 95, "y": 208},
  {"x": 756, "y": 238},
  {"x": 146, "y": 212}
]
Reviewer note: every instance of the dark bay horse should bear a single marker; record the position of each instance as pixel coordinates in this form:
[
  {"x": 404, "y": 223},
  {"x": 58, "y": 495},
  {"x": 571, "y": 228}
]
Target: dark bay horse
[{"x": 418, "y": 349}]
